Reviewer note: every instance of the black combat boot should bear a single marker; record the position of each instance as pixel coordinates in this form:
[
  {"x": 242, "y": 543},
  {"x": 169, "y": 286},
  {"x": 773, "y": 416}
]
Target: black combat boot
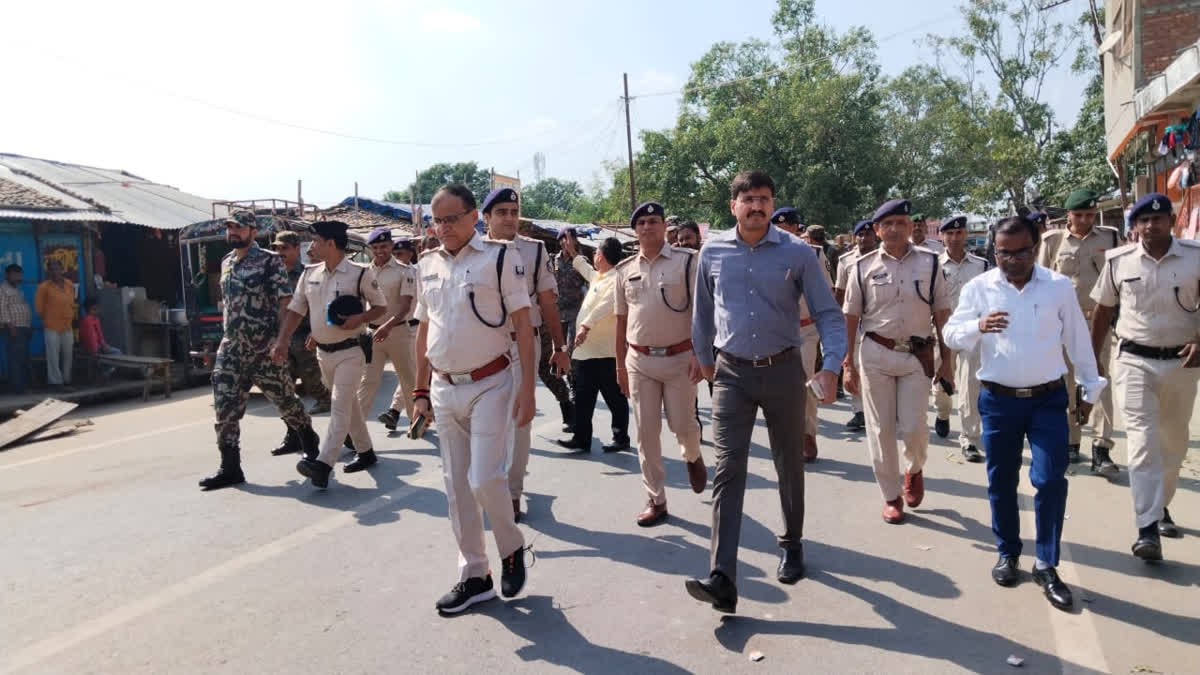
[
  {"x": 290, "y": 444},
  {"x": 230, "y": 472},
  {"x": 310, "y": 442}
]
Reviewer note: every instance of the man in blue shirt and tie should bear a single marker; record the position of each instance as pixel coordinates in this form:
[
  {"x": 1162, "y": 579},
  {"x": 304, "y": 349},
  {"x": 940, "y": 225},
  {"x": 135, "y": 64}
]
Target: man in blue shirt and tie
[{"x": 748, "y": 289}]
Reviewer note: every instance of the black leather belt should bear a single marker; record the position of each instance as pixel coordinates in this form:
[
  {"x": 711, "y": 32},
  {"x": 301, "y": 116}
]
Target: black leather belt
[
  {"x": 338, "y": 346},
  {"x": 414, "y": 322},
  {"x": 1159, "y": 353},
  {"x": 1023, "y": 392},
  {"x": 374, "y": 326},
  {"x": 760, "y": 363}
]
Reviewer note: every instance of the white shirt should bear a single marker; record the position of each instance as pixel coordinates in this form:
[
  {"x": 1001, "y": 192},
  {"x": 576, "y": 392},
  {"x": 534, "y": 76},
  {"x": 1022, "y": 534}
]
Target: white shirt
[
  {"x": 597, "y": 313},
  {"x": 1043, "y": 318}
]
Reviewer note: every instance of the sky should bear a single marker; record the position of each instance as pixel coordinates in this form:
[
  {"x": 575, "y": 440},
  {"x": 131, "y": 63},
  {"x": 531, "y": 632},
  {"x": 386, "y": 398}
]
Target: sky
[{"x": 239, "y": 100}]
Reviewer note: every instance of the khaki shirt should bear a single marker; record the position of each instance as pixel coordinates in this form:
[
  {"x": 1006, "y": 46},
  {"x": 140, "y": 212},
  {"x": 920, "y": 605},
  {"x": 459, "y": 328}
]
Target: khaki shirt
[
  {"x": 1153, "y": 313},
  {"x": 459, "y": 341},
  {"x": 933, "y": 245},
  {"x": 318, "y": 287},
  {"x": 845, "y": 264},
  {"x": 1080, "y": 259},
  {"x": 395, "y": 282},
  {"x": 538, "y": 276},
  {"x": 412, "y": 281},
  {"x": 641, "y": 286},
  {"x": 804, "y": 313},
  {"x": 889, "y": 288},
  {"x": 956, "y": 274}
]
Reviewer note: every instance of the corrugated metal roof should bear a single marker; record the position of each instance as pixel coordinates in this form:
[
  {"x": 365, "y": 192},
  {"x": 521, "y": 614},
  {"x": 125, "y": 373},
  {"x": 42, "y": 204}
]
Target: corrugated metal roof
[
  {"x": 130, "y": 198},
  {"x": 60, "y": 216}
]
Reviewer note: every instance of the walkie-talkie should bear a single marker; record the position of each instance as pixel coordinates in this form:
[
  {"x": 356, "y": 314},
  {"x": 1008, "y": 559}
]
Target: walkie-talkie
[
  {"x": 946, "y": 386},
  {"x": 1080, "y": 419}
]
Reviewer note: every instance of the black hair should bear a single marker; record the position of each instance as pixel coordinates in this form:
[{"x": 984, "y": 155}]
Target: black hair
[
  {"x": 1017, "y": 225},
  {"x": 90, "y": 303},
  {"x": 690, "y": 225},
  {"x": 611, "y": 249},
  {"x": 12, "y": 268},
  {"x": 750, "y": 180},
  {"x": 459, "y": 190},
  {"x": 341, "y": 239}
]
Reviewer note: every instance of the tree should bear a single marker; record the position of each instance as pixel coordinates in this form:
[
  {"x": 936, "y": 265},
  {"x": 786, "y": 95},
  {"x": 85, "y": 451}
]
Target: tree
[
  {"x": 550, "y": 198},
  {"x": 429, "y": 180}
]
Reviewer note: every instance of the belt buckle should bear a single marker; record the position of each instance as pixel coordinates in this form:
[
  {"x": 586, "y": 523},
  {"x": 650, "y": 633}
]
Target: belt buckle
[
  {"x": 656, "y": 351},
  {"x": 1024, "y": 392},
  {"x": 903, "y": 347},
  {"x": 763, "y": 363},
  {"x": 460, "y": 378}
]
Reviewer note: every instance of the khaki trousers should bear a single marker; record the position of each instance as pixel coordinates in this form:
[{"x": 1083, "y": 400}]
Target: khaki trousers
[
  {"x": 895, "y": 396},
  {"x": 399, "y": 348},
  {"x": 967, "y": 398},
  {"x": 342, "y": 371},
  {"x": 1102, "y": 415},
  {"x": 521, "y": 437},
  {"x": 1157, "y": 398},
  {"x": 656, "y": 382},
  {"x": 808, "y": 356},
  {"x": 474, "y": 423}
]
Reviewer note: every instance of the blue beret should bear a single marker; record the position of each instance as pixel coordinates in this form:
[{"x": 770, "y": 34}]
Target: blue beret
[
  {"x": 343, "y": 305},
  {"x": 786, "y": 214},
  {"x": 329, "y": 229},
  {"x": 499, "y": 196},
  {"x": 646, "y": 209},
  {"x": 404, "y": 245},
  {"x": 379, "y": 235},
  {"x": 955, "y": 223},
  {"x": 895, "y": 207},
  {"x": 1037, "y": 216},
  {"x": 1155, "y": 202},
  {"x": 862, "y": 225}
]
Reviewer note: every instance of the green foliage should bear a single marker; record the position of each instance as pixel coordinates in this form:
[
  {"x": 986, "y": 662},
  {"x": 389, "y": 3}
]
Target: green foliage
[
  {"x": 429, "y": 180},
  {"x": 551, "y": 199}
]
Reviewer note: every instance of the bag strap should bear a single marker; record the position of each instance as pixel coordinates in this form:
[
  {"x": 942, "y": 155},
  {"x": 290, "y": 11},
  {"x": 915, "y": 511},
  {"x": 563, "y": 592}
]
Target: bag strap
[
  {"x": 862, "y": 291},
  {"x": 358, "y": 286},
  {"x": 933, "y": 280},
  {"x": 537, "y": 268}
]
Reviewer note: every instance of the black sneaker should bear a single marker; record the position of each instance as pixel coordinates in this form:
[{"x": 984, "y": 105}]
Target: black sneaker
[
  {"x": 466, "y": 593},
  {"x": 512, "y": 573},
  {"x": 856, "y": 423},
  {"x": 1102, "y": 462},
  {"x": 390, "y": 418}
]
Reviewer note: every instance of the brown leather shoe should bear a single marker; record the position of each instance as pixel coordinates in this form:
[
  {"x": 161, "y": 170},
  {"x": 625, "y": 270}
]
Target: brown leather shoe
[
  {"x": 653, "y": 514},
  {"x": 914, "y": 489},
  {"x": 810, "y": 448},
  {"x": 698, "y": 475},
  {"x": 893, "y": 511}
]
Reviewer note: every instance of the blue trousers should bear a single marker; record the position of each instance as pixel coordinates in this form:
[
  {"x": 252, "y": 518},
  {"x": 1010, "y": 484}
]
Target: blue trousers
[{"x": 1007, "y": 422}]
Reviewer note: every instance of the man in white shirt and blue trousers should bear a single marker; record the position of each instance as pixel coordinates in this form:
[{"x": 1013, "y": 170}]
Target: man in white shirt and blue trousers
[{"x": 1022, "y": 316}]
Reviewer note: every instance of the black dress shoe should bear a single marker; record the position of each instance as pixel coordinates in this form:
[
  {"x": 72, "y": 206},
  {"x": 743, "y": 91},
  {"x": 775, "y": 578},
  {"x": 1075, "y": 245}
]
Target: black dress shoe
[
  {"x": 972, "y": 454},
  {"x": 1056, "y": 591},
  {"x": 717, "y": 590},
  {"x": 315, "y": 470},
  {"x": 1102, "y": 462},
  {"x": 791, "y": 566},
  {"x": 857, "y": 422},
  {"x": 1166, "y": 526},
  {"x": 617, "y": 445},
  {"x": 1005, "y": 572},
  {"x": 349, "y": 442},
  {"x": 1073, "y": 453},
  {"x": 361, "y": 462},
  {"x": 1148, "y": 546},
  {"x": 573, "y": 444},
  {"x": 941, "y": 427}
]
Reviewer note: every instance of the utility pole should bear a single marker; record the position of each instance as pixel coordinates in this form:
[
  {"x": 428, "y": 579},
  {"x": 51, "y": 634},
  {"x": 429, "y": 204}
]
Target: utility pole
[{"x": 629, "y": 146}]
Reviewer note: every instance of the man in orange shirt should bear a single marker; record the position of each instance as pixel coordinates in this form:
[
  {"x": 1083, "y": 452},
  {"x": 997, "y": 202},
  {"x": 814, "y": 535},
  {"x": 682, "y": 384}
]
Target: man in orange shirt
[{"x": 55, "y": 304}]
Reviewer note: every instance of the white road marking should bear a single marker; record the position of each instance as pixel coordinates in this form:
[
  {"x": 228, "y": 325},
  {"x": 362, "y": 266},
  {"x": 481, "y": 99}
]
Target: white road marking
[
  {"x": 63, "y": 640},
  {"x": 123, "y": 439},
  {"x": 1076, "y": 640}
]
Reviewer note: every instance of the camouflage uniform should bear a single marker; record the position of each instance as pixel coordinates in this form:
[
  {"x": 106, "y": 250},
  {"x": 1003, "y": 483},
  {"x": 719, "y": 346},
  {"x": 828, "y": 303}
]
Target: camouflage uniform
[
  {"x": 571, "y": 290},
  {"x": 301, "y": 361},
  {"x": 251, "y": 289}
]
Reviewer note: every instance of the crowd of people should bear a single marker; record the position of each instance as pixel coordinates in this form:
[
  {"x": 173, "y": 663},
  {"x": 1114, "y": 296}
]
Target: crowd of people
[{"x": 771, "y": 316}]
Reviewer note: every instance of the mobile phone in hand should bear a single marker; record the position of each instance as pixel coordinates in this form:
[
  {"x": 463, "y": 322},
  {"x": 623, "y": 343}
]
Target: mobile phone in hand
[{"x": 418, "y": 427}]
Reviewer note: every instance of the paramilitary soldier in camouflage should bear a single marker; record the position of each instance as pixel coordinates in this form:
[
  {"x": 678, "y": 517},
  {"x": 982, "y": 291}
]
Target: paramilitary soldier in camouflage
[{"x": 254, "y": 289}]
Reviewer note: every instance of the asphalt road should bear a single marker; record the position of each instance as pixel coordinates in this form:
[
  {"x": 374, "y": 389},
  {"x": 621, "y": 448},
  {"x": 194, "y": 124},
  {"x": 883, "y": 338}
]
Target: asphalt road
[{"x": 114, "y": 561}]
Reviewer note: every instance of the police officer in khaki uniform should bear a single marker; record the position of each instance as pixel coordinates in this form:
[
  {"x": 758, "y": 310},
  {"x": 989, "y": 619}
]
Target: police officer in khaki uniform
[
  {"x": 1077, "y": 252},
  {"x": 330, "y": 293},
  {"x": 655, "y": 362},
  {"x": 865, "y": 241},
  {"x": 788, "y": 220},
  {"x": 1156, "y": 284},
  {"x": 470, "y": 289},
  {"x": 502, "y": 215},
  {"x": 896, "y": 294},
  {"x": 958, "y": 267},
  {"x": 392, "y": 339},
  {"x": 404, "y": 251},
  {"x": 918, "y": 236}
]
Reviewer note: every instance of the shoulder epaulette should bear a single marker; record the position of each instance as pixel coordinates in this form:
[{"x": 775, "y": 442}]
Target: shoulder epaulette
[
  {"x": 847, "y": 255},
  {"x": 976, "y": 257},
  {"x": 1120, "y": 250},
  {"x": 1190, "y": 243},
  {"x": 1054, "y": 233},
  {"x": 626, "y": 261}
]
